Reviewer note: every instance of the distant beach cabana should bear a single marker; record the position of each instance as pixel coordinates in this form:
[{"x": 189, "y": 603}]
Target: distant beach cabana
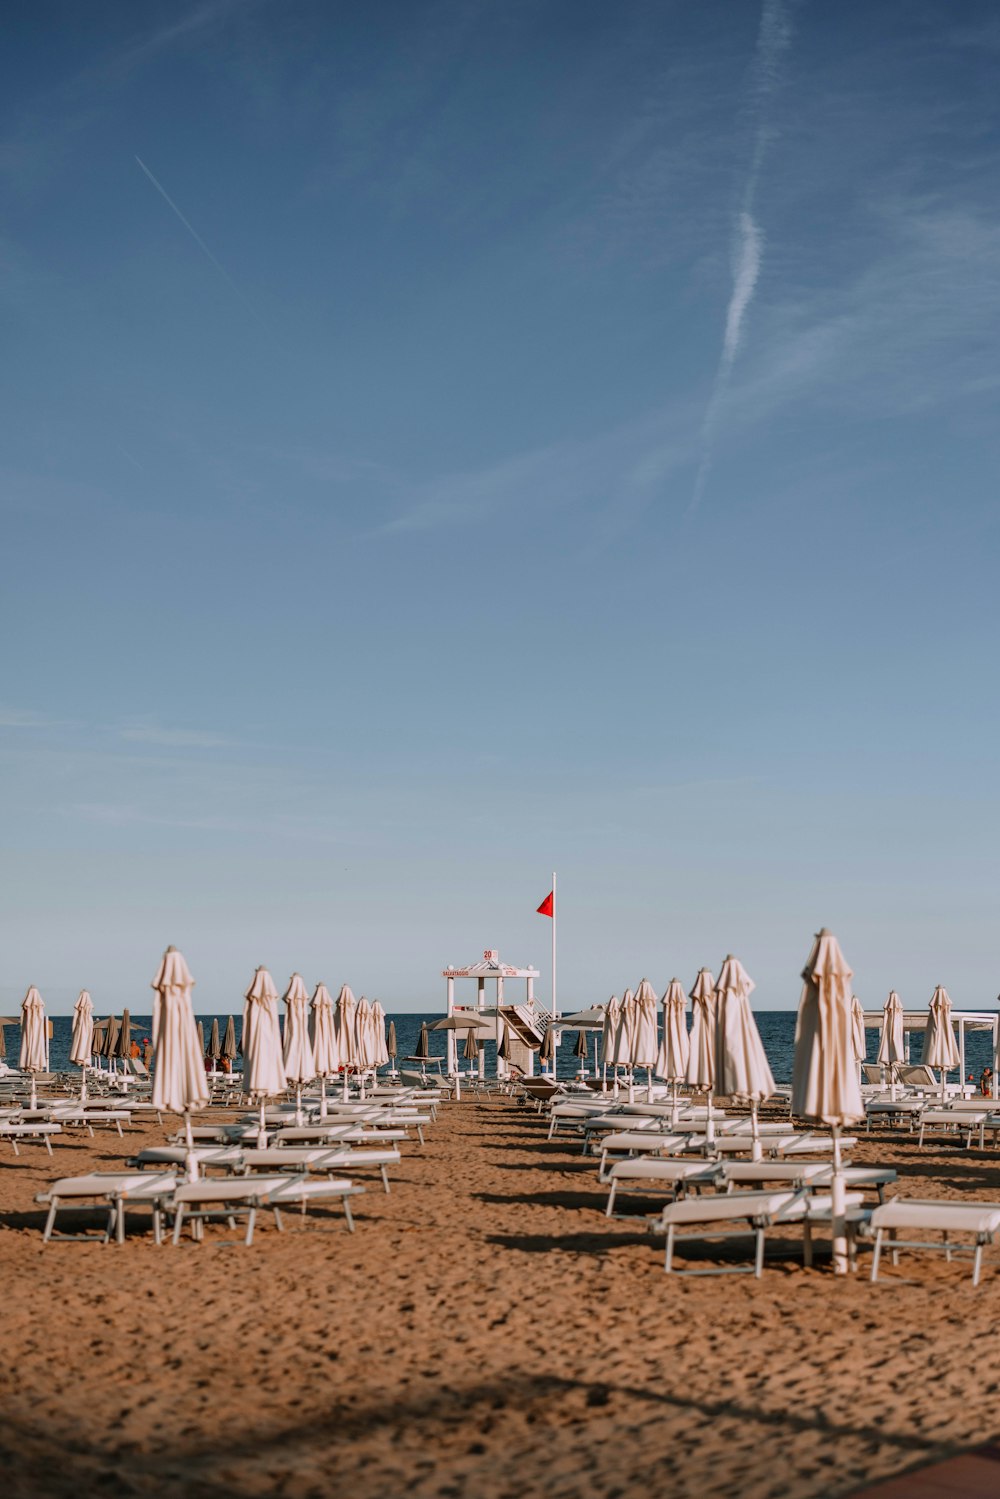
[{"x": 525, "y": 1031}]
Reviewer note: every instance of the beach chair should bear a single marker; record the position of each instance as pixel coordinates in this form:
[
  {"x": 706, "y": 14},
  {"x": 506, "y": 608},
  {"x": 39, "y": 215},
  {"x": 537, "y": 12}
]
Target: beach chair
[
  {"x": 29, "y": 1134},
  {"x": 921, "y": 1215},
  {"x": 758, "y": 1210},
  {"x": 650, "y": 1176},
  {"x": 111, "y": 1189},
  {"x": 232, "y": 1197},
  {"x": 953, "y": 1121},
  {"x": 321, "y": 1161}
]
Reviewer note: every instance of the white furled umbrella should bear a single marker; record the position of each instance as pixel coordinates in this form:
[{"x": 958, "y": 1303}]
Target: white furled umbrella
[
  {"x": 858, "y": 1036},
  {"x": 701, "y": 1054},
  {"x": 612, "y": 1015},
  {"x": 940, "y": 1046},
  {"x": 741, "y": 1067},
  {"x": 644, "y": 1043},
  {"x": 380, "y": 1053},
  {"x": 179, "y": 1078},
  {"x": 297, "y": 1053},
  {"x": 323, "y": 1035},
  {"x": 621, "y": 1054},
  {"x": 672, "y": 1058},
  {"x": 82, "y": 1043},
  {"x": 890, "y": 1044},
  {"x": 263, "y": 1067},
  {"x": 32, "y": 1057},
  {"x": 825, "y": 1085},
  {"x": 345, "y": 1011},
  {"x": 363, "y": 1038}
]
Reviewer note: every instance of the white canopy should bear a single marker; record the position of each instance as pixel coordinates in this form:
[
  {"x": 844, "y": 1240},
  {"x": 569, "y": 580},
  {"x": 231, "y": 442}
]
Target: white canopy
[
  {"x": 32, "y": 1056},
  {"x": 644, "y": 1046},
  {"x": 890, "y": 1045},
  {"x": 263, "y": 1068},
  {"x": 322, "y": 1033},
  {"x": 82, "y": 1044},
  {"x": 825, "y": 1078},
  {"x": 701, "y": 1055},
  {"x": 741, "y": 1067},
  {"x": 300, "y": 1066},
  {"x": 672, "y": 1060},
  {"x": 179, "y": 1074},
  {"x": 940, "y": 1046}
]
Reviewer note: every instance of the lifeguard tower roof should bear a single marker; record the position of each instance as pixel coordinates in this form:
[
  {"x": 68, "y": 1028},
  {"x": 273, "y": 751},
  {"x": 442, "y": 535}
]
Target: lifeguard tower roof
[{"x": 490, "y": 967}]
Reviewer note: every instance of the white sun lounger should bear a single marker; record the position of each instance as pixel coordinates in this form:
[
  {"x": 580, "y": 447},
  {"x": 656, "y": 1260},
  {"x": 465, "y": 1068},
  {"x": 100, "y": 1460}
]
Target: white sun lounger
[
  {"x": 79, "y": 1194},
  {"x": 922, "y": 1215},
  {"x": 30, "y": 1134},
  {"x": 321, "y": 1160},
  {"x": 758, "y": 1210},
  {"x": 646, "y": 1174},
  {"x": 953, "y": 1121},
  {"x": 812, "y": 1174},
  {"x": 208, "y": 1157},
  {"x": 233, "y": 1197}
]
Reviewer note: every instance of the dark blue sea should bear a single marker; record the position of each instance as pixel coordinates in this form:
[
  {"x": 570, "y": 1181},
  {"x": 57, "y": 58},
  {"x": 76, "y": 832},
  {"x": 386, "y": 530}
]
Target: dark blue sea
[{"x": 777, "y": 1029}]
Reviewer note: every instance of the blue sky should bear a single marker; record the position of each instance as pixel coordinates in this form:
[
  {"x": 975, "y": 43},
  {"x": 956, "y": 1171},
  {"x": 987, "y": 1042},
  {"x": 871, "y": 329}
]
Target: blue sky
[{"x": 445, "y": 442}]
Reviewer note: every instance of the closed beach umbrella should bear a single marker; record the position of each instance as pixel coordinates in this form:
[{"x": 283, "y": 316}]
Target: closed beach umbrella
[
  {"x": 363, "y": 1033},
  {"x": 825, "y": 1076},
  {"x": 298, "y": 1053},
  {"x": 612, "y": 1016},
  {"x": 214, "y": 1044},
  {"x": 32, "y": 1055},
  {"x": 229, "y": 1050},
  {"x": 81, "y": 1045},
  {"x": 547, "y": 1050},
  {"x": 323, "y": 1034},
  {"x": 263, "y": 1068},
  {"x": 940, "y": 1046},
  {"x": 580, "y": 1049},
  {"x": 423, "y": 1051},
  {"x": 701, "y": 1043},
  {"x": 621, "y": 1054},
  {"x": 504, "y": 1049},
  {"x": 644, "y": 1042},
  {"x": 741, "y": 1068},
  {"x": 470, "y": 1051},
  {"x": 858, "y": 1029},
  {"x": 123, "y": 1046},
  {"x": 179, "y": 1078},
  {"x": 672, "y": 1058},
  {"x": 201, "y": 1040},
  {"x": 392, "y": 1046},
  {"x": 346, "y": 1009},
  {"x": 110, "y": 1044},
  {"x": 890, "y": 1042},
  {"x": 381, "y": 1053}
]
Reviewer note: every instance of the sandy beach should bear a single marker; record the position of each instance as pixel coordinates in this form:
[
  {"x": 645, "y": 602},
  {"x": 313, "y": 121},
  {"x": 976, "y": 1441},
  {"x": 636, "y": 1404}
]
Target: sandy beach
[{"x": 486, "y": 1331}]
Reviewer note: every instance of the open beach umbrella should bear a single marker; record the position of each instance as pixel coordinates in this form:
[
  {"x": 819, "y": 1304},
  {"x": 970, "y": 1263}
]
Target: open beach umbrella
[
  {"x": 612, "y": 1017},
  {"x": 323, "y": 1035},
  {"x": 940, "y": 1046},
  {"x": 392, "y": 1047},
  {"x": 470, "y": 1051},
  {"x": 700, "y": 1071},
  {"x": 672, "y": 1057},
  {"x": 179, "y": 1079},
  {"x": 300, "y": 1066},
  {"x": 32, "y": 1055},
  {"x": 825, "y": 1085},
  {"x": 890, "y": 1043},
  {"x": 263, "y": 1068},
  {"x": 644, "y": 1043},
  {"x": 741, "y": 1069},
  {"x": 80, "y": 1049},
  {"x": 214, "y": 1044},
  {"x": 344, "y": 1013},
  {"x": 229, "y": 1041}
]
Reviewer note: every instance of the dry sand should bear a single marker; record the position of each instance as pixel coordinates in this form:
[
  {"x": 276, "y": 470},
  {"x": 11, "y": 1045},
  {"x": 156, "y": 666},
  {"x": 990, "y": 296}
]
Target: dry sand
[{"x": 485, "y": 1332}]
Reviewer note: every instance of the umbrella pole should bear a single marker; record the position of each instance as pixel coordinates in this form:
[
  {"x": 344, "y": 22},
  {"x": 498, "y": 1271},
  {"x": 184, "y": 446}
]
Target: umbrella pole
[
  {"x": 838, "y": 1207},
  {"x": 675, "y": 1103},
  {"x": 298, "y": 1104},
  {"x": 190, "y": 1159},
  {"x": 649, "y": 1085},
  {"x": 262, "y": 1132},
  {"x": 756, "y": 1153},
  {"x": 709, "y": 1120},
  {"x": 83, "y": 1084},
  {"x": 322, "y": 1096},
  {"x": 34, "y": 1092},
  {"x": 347, "y": 1093}
]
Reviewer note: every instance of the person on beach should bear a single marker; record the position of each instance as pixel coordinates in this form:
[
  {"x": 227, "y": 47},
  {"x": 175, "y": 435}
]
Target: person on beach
[
  {"x": 986, "y": 1082},
  {"x": 147, "y": 1052},
  {"x": 135, "y": 1051}
]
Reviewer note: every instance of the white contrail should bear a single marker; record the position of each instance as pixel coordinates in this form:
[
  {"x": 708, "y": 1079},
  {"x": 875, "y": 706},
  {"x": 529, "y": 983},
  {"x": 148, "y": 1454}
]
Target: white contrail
[
  {"x": 199, "y": 241},
  {"x": 748, "y": 239}
]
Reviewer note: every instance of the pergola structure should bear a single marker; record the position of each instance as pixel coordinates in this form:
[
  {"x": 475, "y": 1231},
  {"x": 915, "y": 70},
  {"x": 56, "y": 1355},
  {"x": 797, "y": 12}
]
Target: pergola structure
[
  {"x": 489, "y": 969},
  {"x": 962, "y": 1020}
]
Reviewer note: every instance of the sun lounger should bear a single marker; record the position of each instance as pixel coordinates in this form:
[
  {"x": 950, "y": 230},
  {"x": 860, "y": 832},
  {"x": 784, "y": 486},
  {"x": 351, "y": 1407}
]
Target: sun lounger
[
  {"x": 350, "y": 1135},
  {"x": 30, "y": 1134},
  {"x": 321, "y": 1160},
  {"x": 208, "y": 1157},
  {"x": 758, "y": 1210},
  {"x": 114, "y": 1189},
  {"x": 920, "y": 1215},
  {"x": 952, "y": 1121},
  {"x": 232, "y": 1197},
  {"x": 650, "y": 1176},
  {"x": 637, "y": 1142},
  {"x": 812, "y": 1174}
]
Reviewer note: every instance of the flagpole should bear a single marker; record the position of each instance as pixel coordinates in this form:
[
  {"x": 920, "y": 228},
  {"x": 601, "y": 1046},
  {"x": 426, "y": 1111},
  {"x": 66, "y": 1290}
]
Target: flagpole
[{"x": 554, "y": 909}]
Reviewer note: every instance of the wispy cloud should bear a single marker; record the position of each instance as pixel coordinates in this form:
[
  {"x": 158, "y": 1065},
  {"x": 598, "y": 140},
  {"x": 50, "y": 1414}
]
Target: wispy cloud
[
  {"x": 201, "y": 243},
  {"x": 773, "y": 39},
  {"x": 165, "y": 738},
  {"x": 23, "y": 718}
]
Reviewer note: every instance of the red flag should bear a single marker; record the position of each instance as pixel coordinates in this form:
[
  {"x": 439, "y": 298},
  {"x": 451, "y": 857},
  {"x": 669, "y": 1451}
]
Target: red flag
[{"x": 548, "y": 905}]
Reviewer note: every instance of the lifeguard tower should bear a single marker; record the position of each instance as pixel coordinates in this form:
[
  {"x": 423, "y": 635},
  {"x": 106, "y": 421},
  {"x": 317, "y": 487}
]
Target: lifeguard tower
[{"x": 525, "y": 1029}]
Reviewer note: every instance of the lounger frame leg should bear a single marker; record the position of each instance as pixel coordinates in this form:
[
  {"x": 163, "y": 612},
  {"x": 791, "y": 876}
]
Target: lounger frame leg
[
  {"x": 385, "y": 1179},
  {"x": 877, "y": 1253}
]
